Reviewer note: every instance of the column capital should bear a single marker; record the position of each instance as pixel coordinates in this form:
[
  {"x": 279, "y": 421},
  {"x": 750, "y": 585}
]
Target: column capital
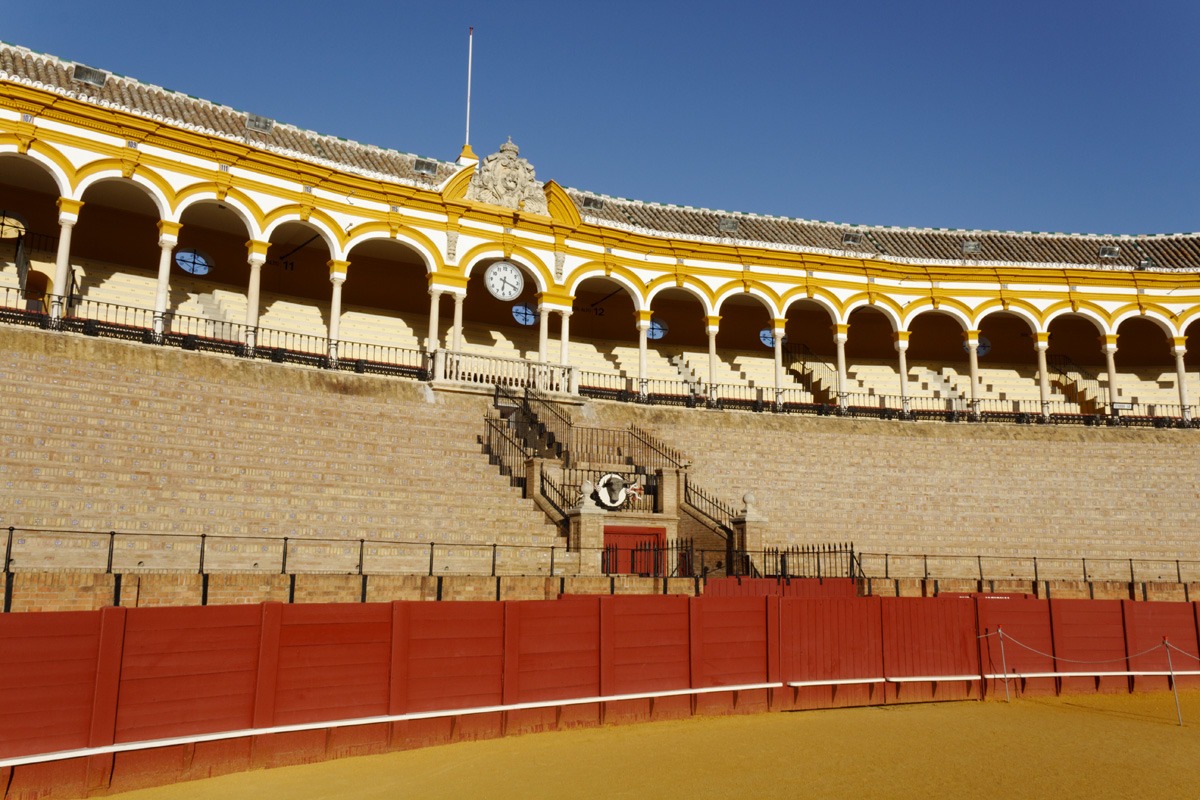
[
  {"x": 1041, "y": 345},
  {"x": 841, "y": 331},
  {"x": 1042, "y": 339},
  {"x": 643, "y": 318},
  {"x": 1179, "y": 345},
  {"x": 338, "y": 270},
  {"x": 1108, "y": 342},
  {"x": 68, "y": 210},
  {"x": 971, "y": 338},
  {"x": 780, "y": 326},
  {"x": 168, "y": 229},
  {"x": 900, "y": 340},
  {"x": 256, "y": 251},
  {"x": 712, "y": 323}
]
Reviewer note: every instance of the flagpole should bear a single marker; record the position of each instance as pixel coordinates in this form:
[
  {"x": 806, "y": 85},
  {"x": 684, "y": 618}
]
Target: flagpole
[{"x": 467, "y": 153}]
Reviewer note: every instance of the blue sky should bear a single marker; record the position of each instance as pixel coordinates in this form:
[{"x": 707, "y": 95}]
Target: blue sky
[{"x": 1048, "y": 116}]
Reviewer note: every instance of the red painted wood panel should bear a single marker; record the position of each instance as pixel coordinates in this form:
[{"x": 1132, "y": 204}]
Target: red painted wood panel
[
  {"x": 1146, "y": 624},
  {"x": 925, "y": 636},
  {"x": 558, "y": 651},
  {"x": 334, "y": 662},
  {"x": 455, "y": 655},
  {"x": 48, "y": 664},
  {"x": 1089, "y": 635},
  {"x": 188, "y": 670},
  {"x": 1029, "y": 642},
  {"x": 649, "y": 643},
  {"x": 831, "y": 639},
  {"x": 733, "y": 641}
]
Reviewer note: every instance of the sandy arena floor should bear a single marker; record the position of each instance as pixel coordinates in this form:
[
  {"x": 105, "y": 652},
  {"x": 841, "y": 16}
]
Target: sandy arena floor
[{"x": 1108, "y": 746}]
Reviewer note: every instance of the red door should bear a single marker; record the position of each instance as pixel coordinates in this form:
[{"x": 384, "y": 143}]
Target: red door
[{"x": 633, "y": 550}]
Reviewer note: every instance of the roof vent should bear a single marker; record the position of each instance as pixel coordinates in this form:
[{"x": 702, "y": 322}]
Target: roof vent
[
  {"x": 1110, "y": 251},
  {"x": 92, "y": 77},
  {"x": 261, "y": 124},
  {"x": 851, "y": 237},
  {"x": 1146, "y": 263},
  {"x": 425, "y": 167},
  {"x": 728, "y": 225},
  {"x": 594, "y": 203},
  {"x": 971, "y": 247}
]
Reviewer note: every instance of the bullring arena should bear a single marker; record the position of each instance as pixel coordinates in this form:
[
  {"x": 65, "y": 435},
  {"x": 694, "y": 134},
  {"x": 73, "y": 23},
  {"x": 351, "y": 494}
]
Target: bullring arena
[{"x": 313, "y": 449}]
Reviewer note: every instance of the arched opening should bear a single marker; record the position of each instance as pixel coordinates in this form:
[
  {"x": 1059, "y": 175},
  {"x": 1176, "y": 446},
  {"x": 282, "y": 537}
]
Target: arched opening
[
  {"x": 1075, "y": 359},
  {"x": 675, "y": 337},
  {"x": 208, "y": 272},
  {"x": 603, "y": 321},
  {"x": 872, "y": 369},
  {"x": 499, "y": 293},
  {"x": 385, "y": 300},
  {"x": 1008, "y": 365},
  {"x": 295, "y": 292},
  {"x": 746, "y": 350},
  {"x": 937, "y": 359},
  {"x": 114, "y": 253},
  {"x": 28, "y": 232},
  {"x": 1146, "y": 375}
]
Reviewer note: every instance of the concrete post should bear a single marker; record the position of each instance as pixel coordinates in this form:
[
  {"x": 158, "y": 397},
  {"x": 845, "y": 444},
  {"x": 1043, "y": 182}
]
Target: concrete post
[
  {"x": 586, "y": 531},
  {"x": 972, "y": 340},
  {"x": 168, "y": 236},
  {"x": 456, "y": 333},
  {"x": 643, "y": 325},
  {"x": 256, "y": 256},
  {"x": 1179, "y": 349},
  {"x": 777, "y": 333},
  {"x": 564, "y": 340},
  {"x": 841, "y": 333},
  {"x": 543, "y": 332},
  {"x": 433, "y": 340},
  {"x": 1109, "y": 343},
  {"x": 749, "y": 528},
  {"x": 711, "y": 327}
]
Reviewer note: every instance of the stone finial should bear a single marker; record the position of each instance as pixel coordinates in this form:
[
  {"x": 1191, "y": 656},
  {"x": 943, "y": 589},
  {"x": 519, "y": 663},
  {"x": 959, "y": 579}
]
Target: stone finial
[
  {"x": 748, "y": 503},
  {"x": 586, "y": 490}
]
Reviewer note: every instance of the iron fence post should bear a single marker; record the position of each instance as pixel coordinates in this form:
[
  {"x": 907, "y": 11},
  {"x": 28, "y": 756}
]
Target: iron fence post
[
  {"x": 1178, "y": 571},
  {"x": 362, "y": 545},
  {"x": 112, "y": 536},
  {"x": 493, "y": 559},
  {"x": 1035, "y": 572},
  {"x": 431, "y": 546},
  {"x": 203, "y": 540},
  {"x": 1084, "y": 569},
  {"x": 1132, "y": 578},
  {"x": 551, "y": 560},
  {"x": 8, "y": 550},
  {"x": 283, "y": 568}
]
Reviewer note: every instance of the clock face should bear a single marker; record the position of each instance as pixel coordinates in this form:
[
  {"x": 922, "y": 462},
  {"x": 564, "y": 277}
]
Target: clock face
[{"x": 504, "y": 280}]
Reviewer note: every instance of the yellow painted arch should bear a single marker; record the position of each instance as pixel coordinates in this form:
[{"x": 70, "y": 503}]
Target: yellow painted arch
[{"x": 470, "y": 259}]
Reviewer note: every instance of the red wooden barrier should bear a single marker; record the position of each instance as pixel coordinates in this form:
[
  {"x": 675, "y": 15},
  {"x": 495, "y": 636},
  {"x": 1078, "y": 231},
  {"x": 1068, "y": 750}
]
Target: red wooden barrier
[
  {"x": 930, "y": 638},
  {"x": 78, "y": 679},
  {"x": 1026, "y": 626},
  {"x": 1089, "y": 636},
  {"x": 832, "y": 640},
  {"x": 772, "y": 587}
]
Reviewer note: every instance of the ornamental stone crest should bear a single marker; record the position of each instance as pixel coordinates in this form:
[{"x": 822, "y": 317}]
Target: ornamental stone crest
[{"x": 505, "y": 179}]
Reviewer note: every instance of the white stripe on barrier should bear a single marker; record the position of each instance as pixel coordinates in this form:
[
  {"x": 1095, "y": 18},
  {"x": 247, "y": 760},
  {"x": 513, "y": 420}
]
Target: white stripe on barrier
[
  {"x": 999, "y": 676},
  {"x": 933, "y": 678},
  {"x": 840, "y": 682},
  {"x": 345, "y": 723}
]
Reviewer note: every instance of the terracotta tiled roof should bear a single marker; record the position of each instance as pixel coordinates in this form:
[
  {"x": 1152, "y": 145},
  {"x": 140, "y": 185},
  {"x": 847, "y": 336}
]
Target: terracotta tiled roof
[
  {"x": 173, "y": 107},
  {"x": 908, "y": 245}
]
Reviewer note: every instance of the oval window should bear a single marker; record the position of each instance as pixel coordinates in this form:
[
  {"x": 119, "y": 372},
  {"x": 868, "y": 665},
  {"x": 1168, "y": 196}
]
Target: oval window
[
  {"x": 192, "y": 262},
  {"x": 657, "y": 330},
  {"x": 524, "y": 313}
]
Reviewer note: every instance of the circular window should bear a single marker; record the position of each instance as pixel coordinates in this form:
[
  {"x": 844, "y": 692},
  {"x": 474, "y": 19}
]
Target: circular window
[
  {"x": 657, "y": 330},
  {"x": 767, "y": 337},
  {"x": 524, "y": 313},
  {"x": 192, "y": 262}
]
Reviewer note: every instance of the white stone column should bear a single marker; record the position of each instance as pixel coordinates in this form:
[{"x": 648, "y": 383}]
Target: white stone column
[
  {"x": 256, "y": 256},
  {"x": 433, "y": 340},
  {"x": 337, "y": 276},
  {"x": 1042, "y": 345},
  {"x": 1179, "y": 349},
  {"x": 456, "y": 331},
  {"x": 643, "y": 325},
  {"x": 543, "y": 332},
  {"x": 564, "y": 339},
  {"x": 972, "y": 340},
  {"x": 1109, "y": 343},
  {"x": 777, "y": 334},
  {"x": 900, "y": 339},
  {"x": 841, "y": 333},
  {"x": 168, "y": 237},
  {"x": 68, "y": 215},
  {"x": 711, "y": 327}
]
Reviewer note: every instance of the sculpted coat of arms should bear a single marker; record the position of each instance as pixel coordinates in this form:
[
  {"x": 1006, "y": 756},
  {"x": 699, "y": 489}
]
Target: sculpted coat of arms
[{"x": 505, "y": 179}]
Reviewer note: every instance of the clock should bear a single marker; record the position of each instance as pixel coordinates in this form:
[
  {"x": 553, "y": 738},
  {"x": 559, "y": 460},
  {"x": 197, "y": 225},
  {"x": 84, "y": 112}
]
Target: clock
[{"x": 504, "y": 280}]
